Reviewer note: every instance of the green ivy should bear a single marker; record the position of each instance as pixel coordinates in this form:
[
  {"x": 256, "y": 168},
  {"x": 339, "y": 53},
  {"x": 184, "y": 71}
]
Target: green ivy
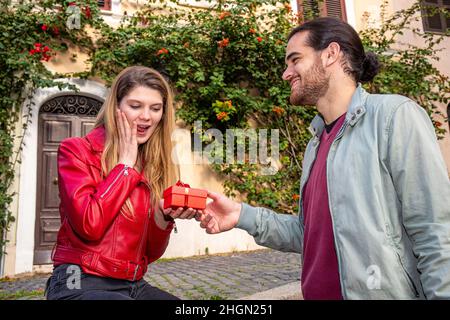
[
  {"x": 31, "y": 32},
  {"x": 235, "y": 54}
]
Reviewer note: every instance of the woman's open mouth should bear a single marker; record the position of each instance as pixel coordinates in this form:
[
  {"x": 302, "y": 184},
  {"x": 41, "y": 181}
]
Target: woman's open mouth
[{"x": 142, "y": 130}]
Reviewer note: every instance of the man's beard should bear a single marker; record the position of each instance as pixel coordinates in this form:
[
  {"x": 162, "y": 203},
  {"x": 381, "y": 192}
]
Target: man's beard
[{"x": 311, "y": 87}]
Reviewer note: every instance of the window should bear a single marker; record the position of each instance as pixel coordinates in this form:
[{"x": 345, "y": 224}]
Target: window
[
  {"x": 434, "y": 21},
  {"x": 326, "y": 8},
  {"x": 104, "y": 5},
  {"x": 335, "y": 9}
]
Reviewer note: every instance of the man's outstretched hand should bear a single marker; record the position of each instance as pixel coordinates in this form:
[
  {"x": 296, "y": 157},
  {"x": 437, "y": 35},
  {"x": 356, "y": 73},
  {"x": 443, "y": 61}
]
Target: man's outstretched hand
[{"x": 221, "y": 214}]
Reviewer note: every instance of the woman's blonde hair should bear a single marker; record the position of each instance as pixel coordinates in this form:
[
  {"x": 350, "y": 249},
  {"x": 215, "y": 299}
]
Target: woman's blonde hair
[{"x": 155, "y": 154}]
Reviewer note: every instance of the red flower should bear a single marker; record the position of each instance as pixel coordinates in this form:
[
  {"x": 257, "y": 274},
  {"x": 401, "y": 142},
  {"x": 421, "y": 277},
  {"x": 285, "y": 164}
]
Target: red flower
[
  {"x": 221, "y": 115},
  {"x": 87, "y": 12},
  {"x": 224, "y": 14},
  {"x": 295, "y": 197},
  {"x": 223, "y": 43},
  {"x": 259, "y": 39},
  {"x": 162, "y": 51},
  {"x": 252, "y": 31},
  {"x": 228, "y": 103},
  {"x": 44, "y": 27},
  {"x": 72, "y": 3},
  {"x": 37, "y": 47},
  {"x": 278, "y": 110},
  {"x": 45, "y": 57},
  {"x": 288, "y": 7},
  {"x": 56, "y": 31}
]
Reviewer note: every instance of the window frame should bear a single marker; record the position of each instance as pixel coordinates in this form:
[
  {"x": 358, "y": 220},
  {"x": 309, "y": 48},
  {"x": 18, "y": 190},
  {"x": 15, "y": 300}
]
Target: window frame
[
  {"x": 106, "y": 6},
  {"x": 323, "y": 9},
  {"x": 425, "y": 23}
]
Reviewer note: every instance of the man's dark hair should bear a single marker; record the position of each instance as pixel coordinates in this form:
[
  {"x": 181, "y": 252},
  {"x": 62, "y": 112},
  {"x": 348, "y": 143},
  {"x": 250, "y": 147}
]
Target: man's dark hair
[{"x": 363, "y": 67}]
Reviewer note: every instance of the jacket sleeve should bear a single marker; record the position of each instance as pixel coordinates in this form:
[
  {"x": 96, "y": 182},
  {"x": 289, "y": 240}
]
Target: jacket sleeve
[
  {"x": 157, "y": 240},
  {"x": 91, "y": 206},
  {"x": 277, "y": 231},
  {"x": 423, "y": 189}
]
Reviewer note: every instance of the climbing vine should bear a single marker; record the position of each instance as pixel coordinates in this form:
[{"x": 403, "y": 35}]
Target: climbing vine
[{"x": 31, "y": 34}]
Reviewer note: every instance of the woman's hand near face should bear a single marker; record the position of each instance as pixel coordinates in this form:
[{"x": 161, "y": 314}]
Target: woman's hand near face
[{"x": 128, "y": 146}]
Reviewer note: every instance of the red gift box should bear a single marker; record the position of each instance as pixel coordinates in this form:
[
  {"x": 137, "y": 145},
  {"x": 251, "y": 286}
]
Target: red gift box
[{"x": 182, "y": 195}]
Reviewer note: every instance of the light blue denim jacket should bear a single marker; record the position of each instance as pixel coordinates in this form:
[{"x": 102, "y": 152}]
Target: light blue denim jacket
[{"x": 389, "y": 197}]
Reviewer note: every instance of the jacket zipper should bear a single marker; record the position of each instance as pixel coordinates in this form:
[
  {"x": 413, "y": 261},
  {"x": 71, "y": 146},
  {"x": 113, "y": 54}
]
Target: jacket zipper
[
  {"x": 409, "y": 280},
  {"x": 125, "y": 173}
]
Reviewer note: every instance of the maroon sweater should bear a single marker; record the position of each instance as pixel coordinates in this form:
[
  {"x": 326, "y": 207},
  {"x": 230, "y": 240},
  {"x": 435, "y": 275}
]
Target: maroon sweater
[{"x": 320, "y": 274}]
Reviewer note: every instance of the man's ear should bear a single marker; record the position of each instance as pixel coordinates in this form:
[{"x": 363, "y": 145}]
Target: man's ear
[{"x": 332, "y": 53}]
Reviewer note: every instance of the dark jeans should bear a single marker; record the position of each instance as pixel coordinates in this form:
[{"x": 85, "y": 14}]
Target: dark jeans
[{"x": 69, "y": 282}]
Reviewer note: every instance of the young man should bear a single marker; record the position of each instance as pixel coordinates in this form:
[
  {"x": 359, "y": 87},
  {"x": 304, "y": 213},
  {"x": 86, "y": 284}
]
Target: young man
[{"x": 374, "y": 220}]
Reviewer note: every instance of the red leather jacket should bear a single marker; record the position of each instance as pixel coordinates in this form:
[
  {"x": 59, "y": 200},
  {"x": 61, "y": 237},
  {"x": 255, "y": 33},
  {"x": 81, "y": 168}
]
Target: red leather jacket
[{"x": 94, "y": 234}]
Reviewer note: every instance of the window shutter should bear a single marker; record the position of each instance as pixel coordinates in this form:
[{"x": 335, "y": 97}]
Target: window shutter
[
  {"x": 309, "y": 8},
  {"x": 104, "y": 4},
  {"x": 325, "y": 8},
  {"x": 336, "y": 9}
]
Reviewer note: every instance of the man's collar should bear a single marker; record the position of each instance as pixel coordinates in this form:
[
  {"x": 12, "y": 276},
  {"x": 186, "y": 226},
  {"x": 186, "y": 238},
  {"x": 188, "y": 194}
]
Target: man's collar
[{"x": 355, "y": 111}]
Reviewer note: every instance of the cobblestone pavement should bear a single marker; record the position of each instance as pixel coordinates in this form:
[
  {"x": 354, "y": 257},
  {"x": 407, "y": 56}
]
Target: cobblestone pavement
[{"x": 222, "y": 277}]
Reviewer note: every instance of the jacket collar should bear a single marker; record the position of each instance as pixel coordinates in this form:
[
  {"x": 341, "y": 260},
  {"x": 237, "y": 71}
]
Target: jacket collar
[
  {"x": 97, "y": 138},
  {"x": 355, "y": 111}
]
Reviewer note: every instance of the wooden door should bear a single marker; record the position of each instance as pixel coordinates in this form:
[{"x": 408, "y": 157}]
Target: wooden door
[{"x": 69, "y": 119}]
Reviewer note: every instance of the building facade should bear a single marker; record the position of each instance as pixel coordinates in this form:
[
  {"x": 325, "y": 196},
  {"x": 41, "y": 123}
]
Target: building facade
[{"x": 60, "y": 114}]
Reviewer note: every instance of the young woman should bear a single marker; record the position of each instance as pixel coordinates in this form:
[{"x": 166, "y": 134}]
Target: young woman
[{"x": 110, "y": 183}]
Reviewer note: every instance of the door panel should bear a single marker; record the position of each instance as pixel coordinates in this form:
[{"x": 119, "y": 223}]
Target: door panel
[
  {"x": 56, "y": 130},
  {"x": 52, "y": 129},
  {"x": 49, "y": 181},
  {"x": 86, "y": 126}
]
